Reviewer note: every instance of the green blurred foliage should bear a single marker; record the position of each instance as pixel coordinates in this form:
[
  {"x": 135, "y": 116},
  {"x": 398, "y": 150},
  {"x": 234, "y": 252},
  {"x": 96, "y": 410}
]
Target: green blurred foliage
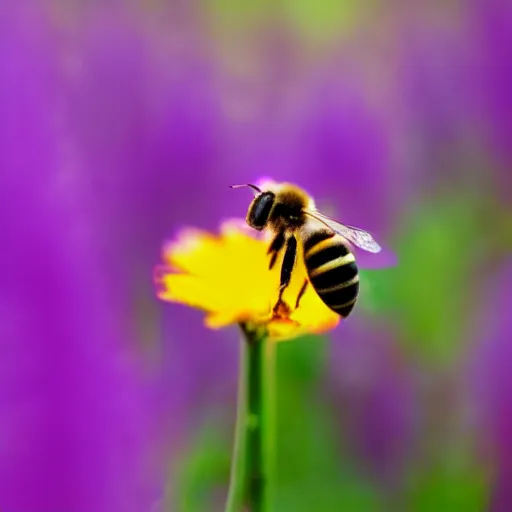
[
  {"x": 314, "y": 23},
  {"x": 311, "y": 470},
  {"x": 313, "y": 474},
  {"x": 204, "y": 469},
  {"x": 323, "y": 20},
  {"x": 431, "y": 291},
  {"x": 231, "y": 12},
  {"x": 455, "y": 484}
]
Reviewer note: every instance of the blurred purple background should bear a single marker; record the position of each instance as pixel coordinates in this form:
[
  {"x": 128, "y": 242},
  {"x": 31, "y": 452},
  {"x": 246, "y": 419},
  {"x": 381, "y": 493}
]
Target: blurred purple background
[{"x": 122, "y": 121}]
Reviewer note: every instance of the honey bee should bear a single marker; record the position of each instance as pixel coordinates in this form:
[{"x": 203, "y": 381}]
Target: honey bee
[{"x": 290, "y": 214}]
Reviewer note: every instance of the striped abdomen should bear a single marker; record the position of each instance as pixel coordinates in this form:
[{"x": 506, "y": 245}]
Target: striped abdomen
[{"x": 332, "y": 271}]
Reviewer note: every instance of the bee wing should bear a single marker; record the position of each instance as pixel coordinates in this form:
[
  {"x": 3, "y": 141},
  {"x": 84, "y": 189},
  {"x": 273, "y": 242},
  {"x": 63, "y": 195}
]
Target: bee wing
[{"x": 358, "y": 237}]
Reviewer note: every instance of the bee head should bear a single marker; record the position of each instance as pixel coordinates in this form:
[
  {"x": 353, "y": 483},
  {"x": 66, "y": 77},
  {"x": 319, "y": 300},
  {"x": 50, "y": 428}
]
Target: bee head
[{"x": 259, "y": 210}]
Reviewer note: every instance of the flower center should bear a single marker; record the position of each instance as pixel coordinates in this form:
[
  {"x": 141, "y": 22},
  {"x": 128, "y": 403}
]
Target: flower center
[{"x": 282, "y": 310}]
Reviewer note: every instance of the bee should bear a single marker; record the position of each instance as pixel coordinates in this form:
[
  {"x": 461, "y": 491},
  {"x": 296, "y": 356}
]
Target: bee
[{"x": 290, "y": 214}]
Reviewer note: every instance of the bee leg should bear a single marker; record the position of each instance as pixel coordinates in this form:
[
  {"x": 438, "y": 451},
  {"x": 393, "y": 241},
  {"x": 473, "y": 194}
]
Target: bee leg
[
  {"x": 301, "y": 293},
  {"x": 287, "y": 267},
  {"x": 276, "y": 245}
]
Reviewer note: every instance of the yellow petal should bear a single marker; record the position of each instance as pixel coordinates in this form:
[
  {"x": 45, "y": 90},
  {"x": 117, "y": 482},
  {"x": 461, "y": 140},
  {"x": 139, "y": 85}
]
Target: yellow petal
[{"x": 228, "y": 277}]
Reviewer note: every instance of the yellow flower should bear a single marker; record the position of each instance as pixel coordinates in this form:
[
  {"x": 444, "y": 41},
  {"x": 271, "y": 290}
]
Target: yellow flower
[{"x": 227, "y": 276}]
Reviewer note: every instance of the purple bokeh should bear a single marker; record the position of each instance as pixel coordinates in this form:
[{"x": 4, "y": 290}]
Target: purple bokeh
[
  {"x": 376, "y": 397},
  {"x": 76, "y": 433},
  {"x": 112, "y": 139},
  {"x": 492, "y": 24},
  {"x": 491, "y": 384}
]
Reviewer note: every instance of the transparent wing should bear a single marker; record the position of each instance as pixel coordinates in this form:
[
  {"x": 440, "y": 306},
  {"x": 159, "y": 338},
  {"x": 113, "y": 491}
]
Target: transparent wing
[{"x": 357, "y": 236}]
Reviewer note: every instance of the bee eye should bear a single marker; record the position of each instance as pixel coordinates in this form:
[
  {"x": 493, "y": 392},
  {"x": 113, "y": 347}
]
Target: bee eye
[{"x": 259, "y": 210}]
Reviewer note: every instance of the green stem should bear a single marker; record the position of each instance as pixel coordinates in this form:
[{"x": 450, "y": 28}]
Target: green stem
[
  {"x": 268, "y": 430},
  {"x": 237, "y": 483},
  {"x": 253, "y": 473}
]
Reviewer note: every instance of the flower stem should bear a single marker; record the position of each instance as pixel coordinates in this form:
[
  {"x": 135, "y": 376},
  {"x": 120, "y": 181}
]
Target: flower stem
[
  {"x": 269, "y": 423},
  {"x": 261, "y": 434},
  {"x": 253, "y": 475},
  {"x": 237, "y": 483}
]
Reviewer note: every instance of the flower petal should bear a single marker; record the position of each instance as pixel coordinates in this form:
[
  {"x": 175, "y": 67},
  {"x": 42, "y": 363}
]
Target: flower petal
[{"x": 228, "y": 276}]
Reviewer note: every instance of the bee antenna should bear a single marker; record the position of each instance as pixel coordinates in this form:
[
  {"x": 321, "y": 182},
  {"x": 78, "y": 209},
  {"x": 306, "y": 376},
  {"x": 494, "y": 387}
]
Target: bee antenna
[{"x": 247, "y": 185}]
